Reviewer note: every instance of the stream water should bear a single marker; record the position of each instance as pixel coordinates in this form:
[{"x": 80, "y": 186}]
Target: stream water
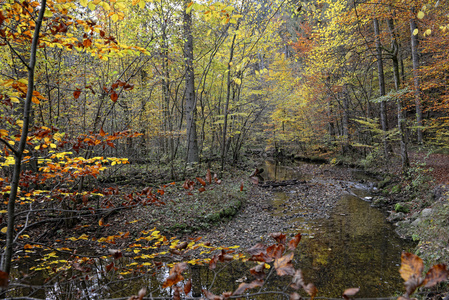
[{"x": 353, "y": 247}]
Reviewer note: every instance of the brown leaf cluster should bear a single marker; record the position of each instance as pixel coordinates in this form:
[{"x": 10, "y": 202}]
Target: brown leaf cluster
[{"x": 411, "y": 271}]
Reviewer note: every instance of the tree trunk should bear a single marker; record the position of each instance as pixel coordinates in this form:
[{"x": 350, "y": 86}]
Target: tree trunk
[
  {"x": 415, "y": 60},
  {"x": 397, "y": 85},
  {"x": 380, "y": 71},
  {"x": 228, "y": 98},
  {"x": 345, "y": 120},
  {"x": 192, "y": 139},
  {"x": 6, "y": 263}
]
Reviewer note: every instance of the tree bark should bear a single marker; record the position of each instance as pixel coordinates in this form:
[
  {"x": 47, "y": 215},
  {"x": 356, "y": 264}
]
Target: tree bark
[
  {"x": 380, "y": 71},
  {"x": 192, "y": 138},
  {"x": 397, "y": 85},
  {"x": 7, "y": 259},
  {"x": 415, "y": 60},
  {"x": 228, "y": 98}
]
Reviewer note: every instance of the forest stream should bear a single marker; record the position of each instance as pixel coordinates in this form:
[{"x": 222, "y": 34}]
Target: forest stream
[{"x": 345, "y": 242}]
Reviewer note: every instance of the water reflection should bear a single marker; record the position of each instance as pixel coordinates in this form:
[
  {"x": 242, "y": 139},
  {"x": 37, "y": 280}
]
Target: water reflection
[
  {"x": 355, "y": 247},
  {"x": 278, "y": 171}
]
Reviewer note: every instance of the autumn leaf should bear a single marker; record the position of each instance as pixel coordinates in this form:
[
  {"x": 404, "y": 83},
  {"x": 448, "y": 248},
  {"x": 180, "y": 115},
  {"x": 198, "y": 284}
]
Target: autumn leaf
[
  {"x": 208, "y": 176},
  {"x": 436, "y": 274},
  {"x": 258, "y": 271},
  {"x": 101, "y": 222},
  {"x": 211, "y": 296},
  {"x": 279, "y": 237},
  {"x": 275, "y": 251},
  {"x": 109, "y": 267},
  {"x": 350, "y": 292},
  {"x": 188, "y": 287},
  {"x": 175, "y": 275},
  {"x": 114, "y": 96},
  {"x": 284, "y": 265},
  {"x": 257, "y": 249},
  {"x": 4, "y": 279},
  {"x": 294, "y": 242},
  {"x": 201, "y": 181},
  {"x": 87, "y": 43},
  {"x": 295, "y": 296},
  {"x": 298, "y": 280},
  {"x": 311, "y": 290},
  {"x": 102, "y": 133},
  {"x": 76, "y": 94},
  {"x": 245, "y": 286},
  {"x": 115, "y": 253},
  {"x": 411, "y": 265}
]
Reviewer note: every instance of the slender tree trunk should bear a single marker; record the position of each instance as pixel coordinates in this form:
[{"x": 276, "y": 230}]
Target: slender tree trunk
[
  {"x": 192, "y": 139},
  {"x": 415, "y": 60},
  {"x": 397, "y": 85},
  {"x": 6, "y": 263},
  {"x": 228, "y": 98},
  {"x": 380, "y": 72},
  {"x": 345, "y": 120}
]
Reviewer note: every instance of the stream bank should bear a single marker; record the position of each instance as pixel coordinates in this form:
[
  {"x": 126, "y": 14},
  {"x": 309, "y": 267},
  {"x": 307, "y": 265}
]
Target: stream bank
[{"x": 345, "y": 242}]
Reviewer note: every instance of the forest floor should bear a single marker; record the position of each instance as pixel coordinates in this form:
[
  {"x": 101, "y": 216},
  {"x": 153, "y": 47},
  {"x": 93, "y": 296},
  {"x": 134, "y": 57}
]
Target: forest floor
[{"x": 235, "y": 212}]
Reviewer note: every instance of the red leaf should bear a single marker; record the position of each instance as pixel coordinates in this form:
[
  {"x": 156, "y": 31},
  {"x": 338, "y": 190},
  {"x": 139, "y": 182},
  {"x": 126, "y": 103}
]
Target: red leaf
[
  {"x": 201, "y": 190},
  {"x": 87, "y": 43},
  {"x": 279, "y": 237},
  {"x": 76, "y": 94},
  {"x": 175, "y": 275},
  {"x": 241, "y": 187},
  {"x": 102, "y": 133},
  {"x": 114, "y": 96},
  {"x": 275, "y": 251},
  {"x": 294, "y": 242},
  {"x": 4, "y": 279},
  {"x": 109, "y": 267},
  {"x": 188, "y": 287},
  {"x": 200, "y": 180}
]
